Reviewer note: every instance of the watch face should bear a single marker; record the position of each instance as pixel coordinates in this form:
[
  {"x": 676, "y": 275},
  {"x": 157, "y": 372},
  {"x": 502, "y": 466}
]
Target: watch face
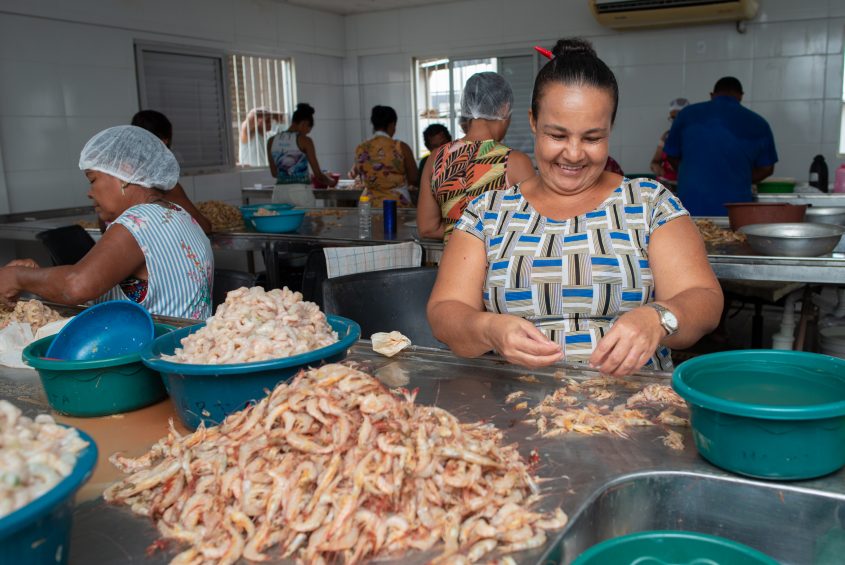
[{"x": 670, "y": 320}]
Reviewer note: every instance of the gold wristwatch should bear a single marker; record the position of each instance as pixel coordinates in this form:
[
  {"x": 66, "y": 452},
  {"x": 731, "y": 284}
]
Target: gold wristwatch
[{"x": 667, "y": 319}]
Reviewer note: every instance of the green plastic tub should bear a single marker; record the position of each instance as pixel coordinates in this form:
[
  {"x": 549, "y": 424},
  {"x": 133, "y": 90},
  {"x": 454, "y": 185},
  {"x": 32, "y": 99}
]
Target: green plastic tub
[
  {"x": 96, "y": 388},
  {"x": 776, "y": 186},
  {"x": 767, "y": 414},
  {"x": 675, "y": 547}
]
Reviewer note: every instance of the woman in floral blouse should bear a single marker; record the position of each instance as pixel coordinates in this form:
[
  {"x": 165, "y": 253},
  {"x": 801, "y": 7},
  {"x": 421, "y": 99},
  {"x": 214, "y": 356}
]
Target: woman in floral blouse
[{"x": 386, "y": 165}]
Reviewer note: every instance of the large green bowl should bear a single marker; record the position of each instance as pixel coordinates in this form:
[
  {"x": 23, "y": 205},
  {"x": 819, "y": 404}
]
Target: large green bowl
[
  {"x": 767, "y": 414},
  {"x": 96, "y": 388},
  {"x": 676, "y": 547}
]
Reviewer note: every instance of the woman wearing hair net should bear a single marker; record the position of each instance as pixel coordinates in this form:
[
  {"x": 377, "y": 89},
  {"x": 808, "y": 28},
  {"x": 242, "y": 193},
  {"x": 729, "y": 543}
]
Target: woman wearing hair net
[
  {"x": 461, "y": 170},
  {"x": 153, "y": 253}
]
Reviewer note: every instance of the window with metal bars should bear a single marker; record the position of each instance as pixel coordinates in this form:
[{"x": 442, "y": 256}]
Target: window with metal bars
[{"x": 261, "y": 97}]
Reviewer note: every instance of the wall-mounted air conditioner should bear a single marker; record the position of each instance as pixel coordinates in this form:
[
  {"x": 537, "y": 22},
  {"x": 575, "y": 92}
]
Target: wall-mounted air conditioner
[{"x": 623, "y": 14}]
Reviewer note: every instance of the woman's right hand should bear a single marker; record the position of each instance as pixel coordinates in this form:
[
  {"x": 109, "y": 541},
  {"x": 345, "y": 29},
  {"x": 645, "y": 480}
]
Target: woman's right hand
[{"x": 521, "y": 343}]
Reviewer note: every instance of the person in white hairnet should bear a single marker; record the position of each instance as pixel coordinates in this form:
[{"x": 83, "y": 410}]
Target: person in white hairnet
[
  {"x": 458, "y": 171},
  {"x": 153, "y": 253},
  {"x": 660, "y": 164}
]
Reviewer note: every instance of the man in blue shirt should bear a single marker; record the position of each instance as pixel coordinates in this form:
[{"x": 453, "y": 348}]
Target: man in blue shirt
[{"x": 719, "y": 149}]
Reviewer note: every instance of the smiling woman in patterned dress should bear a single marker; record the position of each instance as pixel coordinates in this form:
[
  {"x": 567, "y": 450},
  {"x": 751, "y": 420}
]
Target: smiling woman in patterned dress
[
  {"x": 577, "y": 263},
  {"x": 153, "y": 252}
]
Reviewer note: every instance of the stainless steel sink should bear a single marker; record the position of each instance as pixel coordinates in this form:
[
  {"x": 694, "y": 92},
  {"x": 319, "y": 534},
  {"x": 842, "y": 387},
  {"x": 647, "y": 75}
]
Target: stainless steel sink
[{"x": 792, "y": 524}]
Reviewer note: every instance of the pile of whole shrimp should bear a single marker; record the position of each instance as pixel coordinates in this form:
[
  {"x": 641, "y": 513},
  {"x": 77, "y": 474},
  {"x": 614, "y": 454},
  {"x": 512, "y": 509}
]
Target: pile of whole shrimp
[
  {"x": 713, "y": 234},
  {"x": 335, "y": 466},
  {"x": 221, "y": 215},
  {"x": 31, "y": 312},
  {"x": 34, "y": 456},
  {"x": 254, "y": 325},
  {"x": 585, "y": 408}
]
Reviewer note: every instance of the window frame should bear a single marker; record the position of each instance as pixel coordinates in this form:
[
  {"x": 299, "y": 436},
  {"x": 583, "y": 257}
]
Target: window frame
[
  {"x": 489, "y": 54},
  {"x": 188, "y": 50}
]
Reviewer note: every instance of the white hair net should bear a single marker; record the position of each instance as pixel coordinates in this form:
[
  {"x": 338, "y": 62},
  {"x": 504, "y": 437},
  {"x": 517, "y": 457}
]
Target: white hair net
[
  {"x": 487, "y": 96},
  {"x": 133, "y": 155}
]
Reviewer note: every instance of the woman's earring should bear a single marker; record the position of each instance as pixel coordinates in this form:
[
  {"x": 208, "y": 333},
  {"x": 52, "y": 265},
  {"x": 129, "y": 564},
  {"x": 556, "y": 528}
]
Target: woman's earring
[{"x": 123, "y": 188}]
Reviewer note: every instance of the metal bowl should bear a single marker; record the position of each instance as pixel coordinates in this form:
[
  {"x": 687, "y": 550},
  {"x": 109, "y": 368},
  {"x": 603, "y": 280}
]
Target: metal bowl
[
  {"x": 826, "y": 214},
  {"x": 793, "y": 240}
]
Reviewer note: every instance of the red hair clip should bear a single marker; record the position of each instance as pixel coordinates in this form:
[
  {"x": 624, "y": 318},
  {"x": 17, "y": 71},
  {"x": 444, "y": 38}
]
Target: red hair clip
[{"x": 544, "y": 52}]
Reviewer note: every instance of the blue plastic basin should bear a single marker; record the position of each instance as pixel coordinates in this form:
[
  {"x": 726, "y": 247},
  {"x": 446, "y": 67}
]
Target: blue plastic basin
[
  {"x": 209, "y": 393},
  {"x": 106, "y": 330},
  {"x": 285, "y": 222},
  {"x": 767, "y": 414},
  {"x": 248, "y": 212},
  {"x": 40, "y": 531}
]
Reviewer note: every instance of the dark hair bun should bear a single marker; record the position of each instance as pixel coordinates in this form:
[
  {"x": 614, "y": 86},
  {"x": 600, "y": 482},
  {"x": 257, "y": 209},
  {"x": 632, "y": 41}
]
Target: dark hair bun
[
  {"x": 574, "y": 46},
  {"x": 305, "y": 108}
]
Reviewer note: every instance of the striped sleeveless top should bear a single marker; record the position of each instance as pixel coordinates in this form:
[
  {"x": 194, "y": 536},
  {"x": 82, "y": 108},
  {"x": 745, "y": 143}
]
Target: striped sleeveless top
[
  {"x": 463, "y": 170},
  {"x": 180, "y": 263}
]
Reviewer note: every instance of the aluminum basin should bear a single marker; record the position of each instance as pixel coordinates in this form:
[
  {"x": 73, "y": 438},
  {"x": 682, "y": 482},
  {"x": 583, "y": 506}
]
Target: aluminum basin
[
  {"x": 805, "y": 239},
  {"x": 791, "y": 524},
  {"x": 826, "y": 215}
]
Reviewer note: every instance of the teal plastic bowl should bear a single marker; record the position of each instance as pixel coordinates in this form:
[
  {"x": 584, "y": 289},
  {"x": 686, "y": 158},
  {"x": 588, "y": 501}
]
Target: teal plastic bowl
[
  {"x": 248, "y": 212},
  {"x": 96, "y": 388},
  {"x": 767, "y": 414},
  {"x": 285, "y": 222},
  {"x": 672, "y": 547},
  {"x": 209, "y": 393},
  {"x": 40, "y": 531}
]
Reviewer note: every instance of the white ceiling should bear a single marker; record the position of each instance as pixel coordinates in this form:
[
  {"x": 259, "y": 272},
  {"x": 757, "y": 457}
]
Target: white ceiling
[{"x": 346, "y": 7}]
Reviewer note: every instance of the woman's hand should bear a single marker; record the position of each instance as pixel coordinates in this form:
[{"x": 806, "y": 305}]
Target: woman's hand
[
  {"x": 630, "y": 343},
  {"x": 9, "y": 288},
  {"x": 28, "y": 263},
  {"x": 521, "y": 343}
]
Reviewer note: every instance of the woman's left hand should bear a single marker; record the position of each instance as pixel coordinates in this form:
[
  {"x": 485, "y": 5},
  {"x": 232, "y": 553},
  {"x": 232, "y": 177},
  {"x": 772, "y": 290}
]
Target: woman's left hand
[{"x": 630, "y": 343}]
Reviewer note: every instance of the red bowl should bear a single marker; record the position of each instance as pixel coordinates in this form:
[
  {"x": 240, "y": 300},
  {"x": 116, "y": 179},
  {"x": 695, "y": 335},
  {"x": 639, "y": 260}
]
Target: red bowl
[{"x": 747, "y": 213}]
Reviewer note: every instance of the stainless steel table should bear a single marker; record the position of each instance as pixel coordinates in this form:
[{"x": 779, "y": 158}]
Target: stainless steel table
[
  {"x": 339, "y": 226},
  {"x": 608, "y": 485}
]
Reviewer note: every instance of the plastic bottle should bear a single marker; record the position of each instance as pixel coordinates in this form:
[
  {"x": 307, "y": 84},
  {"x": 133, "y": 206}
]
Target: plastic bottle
[
  {"x": 839, "y": 183},
  {"x": 365, "y": 219},
  {"x": 818, "y": 173}
]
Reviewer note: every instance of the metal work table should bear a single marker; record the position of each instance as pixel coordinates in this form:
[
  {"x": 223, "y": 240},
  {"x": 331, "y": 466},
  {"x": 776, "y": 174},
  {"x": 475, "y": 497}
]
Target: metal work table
[
  {"x": 588, "y": 476},
  {"x": 339, "y": 227}
]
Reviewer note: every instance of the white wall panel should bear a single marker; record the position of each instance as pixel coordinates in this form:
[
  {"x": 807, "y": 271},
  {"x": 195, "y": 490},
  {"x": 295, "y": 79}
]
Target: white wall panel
[
  {"x": 793, "y": 122},
  {"x": 29, "y": 88},
  {"x": 789, "y": 78}
]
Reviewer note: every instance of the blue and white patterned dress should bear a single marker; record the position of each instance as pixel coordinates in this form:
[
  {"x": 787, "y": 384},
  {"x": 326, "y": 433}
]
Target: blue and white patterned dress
[
  {"x": 578, "y": 274},
  {"x": 180, "y": 263}
]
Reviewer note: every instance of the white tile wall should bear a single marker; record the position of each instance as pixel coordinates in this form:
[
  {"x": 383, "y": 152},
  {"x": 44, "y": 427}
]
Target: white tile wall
[{"x": 55, "y": 93}]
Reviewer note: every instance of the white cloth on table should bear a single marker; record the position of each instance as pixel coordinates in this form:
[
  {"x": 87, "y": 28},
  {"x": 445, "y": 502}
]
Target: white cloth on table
[
  {"x": 300, "y": 195},
  {"x": 350, "y": 260}
]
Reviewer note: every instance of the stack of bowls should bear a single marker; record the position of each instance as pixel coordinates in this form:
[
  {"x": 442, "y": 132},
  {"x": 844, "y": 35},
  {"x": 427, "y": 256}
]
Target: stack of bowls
[
  {"x": 98, "y": 387},
  {"x": 832, "y": 341}
]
